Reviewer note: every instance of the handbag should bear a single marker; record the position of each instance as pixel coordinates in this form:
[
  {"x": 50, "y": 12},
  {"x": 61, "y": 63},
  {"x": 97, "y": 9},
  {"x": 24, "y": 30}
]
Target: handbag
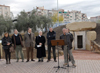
[{"x": 11, "y": 49}]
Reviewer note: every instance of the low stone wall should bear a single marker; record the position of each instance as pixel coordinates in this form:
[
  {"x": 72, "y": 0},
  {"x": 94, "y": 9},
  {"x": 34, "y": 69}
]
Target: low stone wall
[{"x": 13, "y": 55}]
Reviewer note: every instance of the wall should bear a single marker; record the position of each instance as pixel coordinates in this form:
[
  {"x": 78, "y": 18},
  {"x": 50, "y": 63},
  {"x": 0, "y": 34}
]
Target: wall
[{"x": 91, "y": 36}]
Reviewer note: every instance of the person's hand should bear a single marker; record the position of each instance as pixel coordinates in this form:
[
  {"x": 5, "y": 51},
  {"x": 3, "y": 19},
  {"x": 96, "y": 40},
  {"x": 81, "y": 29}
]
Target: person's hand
[
  {"x": 40, "y": 43},
  {"x": 8, "y": 43},
  {"x": 54, "y": 35}
]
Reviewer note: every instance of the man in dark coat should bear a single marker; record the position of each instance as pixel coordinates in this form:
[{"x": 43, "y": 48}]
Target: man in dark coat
[
  {"x": 40, "y": 46},
  {"x": 51, "y": 35},
  {"x": 71, "y": 39},
  {"x": 17, "y": 40},
  {"x": 71, "y": 35},
  {"x": 67, "y": 48}
]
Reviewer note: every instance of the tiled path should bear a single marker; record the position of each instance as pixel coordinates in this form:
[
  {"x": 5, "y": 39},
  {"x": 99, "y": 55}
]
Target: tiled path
[
  {"x": 86, "y": 62},
  {"x": 85, "y": 55}
]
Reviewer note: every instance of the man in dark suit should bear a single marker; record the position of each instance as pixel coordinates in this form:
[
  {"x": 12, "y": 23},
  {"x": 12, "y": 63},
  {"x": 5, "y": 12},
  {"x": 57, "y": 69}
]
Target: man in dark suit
[
  {"x": 29, "y": 39},
  {"x": 67, "y": 47},
  {"x": 51, "y": 35}
]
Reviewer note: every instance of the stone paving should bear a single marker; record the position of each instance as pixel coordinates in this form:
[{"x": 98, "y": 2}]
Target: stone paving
[
  {"x": 84, "y": 55},
  {"x": 84, "y": 65}
]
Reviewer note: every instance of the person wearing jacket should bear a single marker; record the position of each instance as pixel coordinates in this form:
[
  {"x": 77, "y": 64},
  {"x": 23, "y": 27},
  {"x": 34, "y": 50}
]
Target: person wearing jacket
[
  {"x": 71, "y": 39},
  {"x": 51, "y": 35},
  {"x": 17, "y": 41},
  {"x": 6, "y": 42},
  {"x": 40, "y": 46},
  {"x": 67, "y": 47},
  {"x": 29, "y": 44}
]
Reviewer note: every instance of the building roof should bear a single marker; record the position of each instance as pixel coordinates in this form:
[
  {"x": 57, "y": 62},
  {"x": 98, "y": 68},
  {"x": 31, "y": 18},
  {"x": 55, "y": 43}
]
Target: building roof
[{"x": 4, "y": 6}]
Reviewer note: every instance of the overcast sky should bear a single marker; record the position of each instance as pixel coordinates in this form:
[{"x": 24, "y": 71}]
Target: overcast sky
[{"x": 90, "y": 7}]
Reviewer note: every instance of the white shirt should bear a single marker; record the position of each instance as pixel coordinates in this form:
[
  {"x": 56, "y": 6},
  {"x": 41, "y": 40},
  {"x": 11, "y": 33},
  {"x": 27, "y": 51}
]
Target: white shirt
[
  {"x": 16, "y": 34},
  {"x": 29, "y": 33},
  {"x": 39, "y": 36}
]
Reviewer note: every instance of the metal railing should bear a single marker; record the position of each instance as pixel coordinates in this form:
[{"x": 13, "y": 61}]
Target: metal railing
[{"x": 95, "y": 47}]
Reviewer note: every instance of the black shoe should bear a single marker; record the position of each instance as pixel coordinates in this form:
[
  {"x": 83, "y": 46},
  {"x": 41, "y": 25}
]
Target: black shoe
[
  {"x": 27, "y": 61},
  {"x": 6, "y": 62},
  {"x": 74, "y": 65},
  {"x": 48, "y": 60},
  {"x": 67, "y": 65},
  {"x": 41, "y": 60},
  {"x": 55, "y": 60},
  {"x": 17, "y": 61},
  {"x": 9, "y": 62},
  {"x": 32, "y": 60},
  {"x": 22, "y": 60},
  {"x": 38, "y": 60}
]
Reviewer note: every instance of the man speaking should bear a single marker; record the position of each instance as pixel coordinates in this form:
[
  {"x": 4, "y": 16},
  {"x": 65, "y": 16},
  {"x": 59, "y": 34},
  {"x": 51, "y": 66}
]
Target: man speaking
[{"x": 67, "y": 47}]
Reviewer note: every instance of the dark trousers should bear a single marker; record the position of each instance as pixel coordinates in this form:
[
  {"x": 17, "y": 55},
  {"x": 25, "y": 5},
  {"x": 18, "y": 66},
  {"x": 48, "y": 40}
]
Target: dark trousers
[
  {"x": 0, "y": 54},
  {"x": 49, "y": 52},
  {"x": 7, "y": 54},
  {"x": 29, "y": 50}
]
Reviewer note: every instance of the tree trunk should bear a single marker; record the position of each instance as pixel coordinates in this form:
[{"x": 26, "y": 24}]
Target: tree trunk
[{"x": 45, "y": 29}]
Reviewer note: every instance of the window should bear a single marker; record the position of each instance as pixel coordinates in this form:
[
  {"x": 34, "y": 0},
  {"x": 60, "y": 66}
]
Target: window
[
  {"x": 5, "y": 7},
  {"x": 6, "y": 13}
]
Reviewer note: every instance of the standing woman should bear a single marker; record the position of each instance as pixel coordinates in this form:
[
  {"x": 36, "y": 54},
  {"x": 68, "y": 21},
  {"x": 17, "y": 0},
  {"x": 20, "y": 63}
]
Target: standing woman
[
  {"x": 40, "y": 46},
  {"x": 6, "y": 42}
]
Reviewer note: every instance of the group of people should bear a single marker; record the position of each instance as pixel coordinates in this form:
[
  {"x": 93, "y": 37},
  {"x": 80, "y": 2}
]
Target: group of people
[{"x": 17, "y": 41}]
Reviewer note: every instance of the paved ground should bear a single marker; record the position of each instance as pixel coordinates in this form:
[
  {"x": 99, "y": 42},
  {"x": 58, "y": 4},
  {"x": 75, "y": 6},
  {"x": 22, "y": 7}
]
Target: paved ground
[
  {"x": 86, "y": 63},
  {"x": 83, "y": 66},
  {"x": 84, "y": 55}
]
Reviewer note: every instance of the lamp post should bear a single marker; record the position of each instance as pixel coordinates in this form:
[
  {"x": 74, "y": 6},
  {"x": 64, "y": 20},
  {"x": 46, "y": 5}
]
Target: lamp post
[{"x": 58, "y": 13}]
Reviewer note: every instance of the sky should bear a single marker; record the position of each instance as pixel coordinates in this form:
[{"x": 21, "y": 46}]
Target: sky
[{"x": 90, "y": 7}]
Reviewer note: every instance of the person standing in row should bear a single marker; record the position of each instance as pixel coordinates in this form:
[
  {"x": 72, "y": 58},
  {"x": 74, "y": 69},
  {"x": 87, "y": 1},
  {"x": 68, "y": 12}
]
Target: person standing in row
[
  {"x": 40, "y": 46},
  {"x": 29, "y": 43},
  {"x": 71, "y": 39},
  {"x": 18, "y": 44},
  {"x": 51, "y": 35},
  {"x": 71, "y": 35},
  {"x": 6, "y": 42},
  {"x": 67, "y": 48}
]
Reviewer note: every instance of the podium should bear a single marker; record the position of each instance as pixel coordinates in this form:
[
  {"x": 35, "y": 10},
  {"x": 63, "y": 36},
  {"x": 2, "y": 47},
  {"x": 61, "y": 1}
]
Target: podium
[{"x": 57, "y": 43}]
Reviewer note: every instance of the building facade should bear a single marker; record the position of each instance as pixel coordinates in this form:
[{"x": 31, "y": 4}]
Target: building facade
[
  {"x": 95, "y": 19},
  {"x": 5, "y": 11},
  {"x": 68, "y": 16},
  {"x": 73, "y": 16}
]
